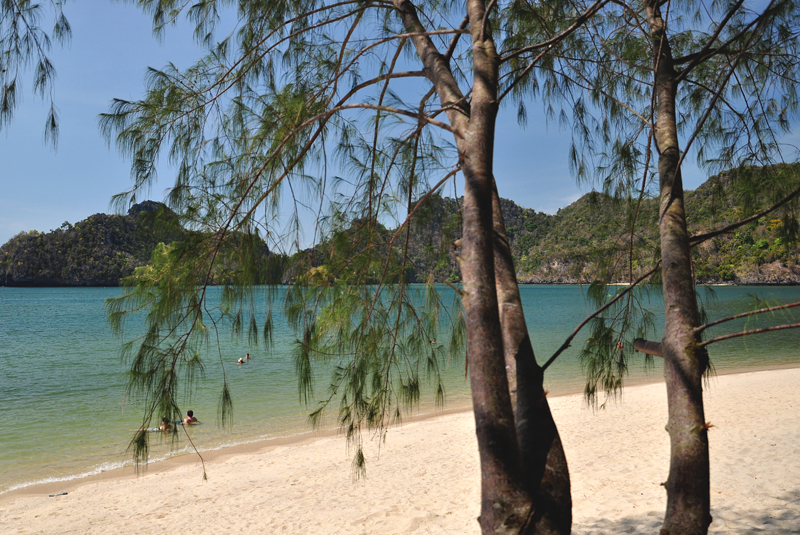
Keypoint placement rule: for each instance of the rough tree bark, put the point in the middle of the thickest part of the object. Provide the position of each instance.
(505, 502)
(509, 477)
(543, 461)
(684, 363)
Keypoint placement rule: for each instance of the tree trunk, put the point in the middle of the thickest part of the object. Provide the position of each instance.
(506, 502)
(688, 502)
(544, 464)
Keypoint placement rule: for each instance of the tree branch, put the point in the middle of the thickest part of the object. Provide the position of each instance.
(745, 333)
(436, 67)
(701, 328)
(596, 313)
(454, 41)
(649, 347)
(486, 18)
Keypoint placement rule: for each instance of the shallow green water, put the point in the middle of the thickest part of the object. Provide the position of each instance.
(63, 413)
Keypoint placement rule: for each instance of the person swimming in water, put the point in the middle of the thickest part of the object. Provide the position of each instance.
(190, 418)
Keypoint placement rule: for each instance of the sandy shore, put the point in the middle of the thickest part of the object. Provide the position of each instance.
(426, 478)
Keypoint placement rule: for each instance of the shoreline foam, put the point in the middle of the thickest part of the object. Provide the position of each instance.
(425, 477)
(185, 455)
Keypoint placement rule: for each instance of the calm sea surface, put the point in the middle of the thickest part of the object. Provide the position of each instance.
(63, 412)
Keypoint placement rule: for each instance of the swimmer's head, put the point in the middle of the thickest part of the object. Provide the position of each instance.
(189, 413)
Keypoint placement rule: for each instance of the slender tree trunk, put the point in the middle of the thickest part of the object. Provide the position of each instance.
(688, 503)
(544, 464)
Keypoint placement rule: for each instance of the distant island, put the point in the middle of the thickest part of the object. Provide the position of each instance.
(578, 244)
(98, 251)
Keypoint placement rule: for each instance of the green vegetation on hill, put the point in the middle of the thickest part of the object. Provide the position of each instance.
(763, 251)
(585, 241)
(97, 251)
(590, 239)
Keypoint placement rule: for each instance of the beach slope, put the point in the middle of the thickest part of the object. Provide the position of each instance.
(426, 478)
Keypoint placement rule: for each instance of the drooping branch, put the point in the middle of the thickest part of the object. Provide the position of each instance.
(707, 52)
(648, 155)
(323, 117)
(583, 83)
(586, 15)
(703, 53)
(546, 47)
(716, 97)
(406, 224)
(596, 313)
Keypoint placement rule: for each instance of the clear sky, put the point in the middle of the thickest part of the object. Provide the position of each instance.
(111, 47)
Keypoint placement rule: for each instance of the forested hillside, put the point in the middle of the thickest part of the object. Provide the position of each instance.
(591, 238)
(97, 251)
(584, 241)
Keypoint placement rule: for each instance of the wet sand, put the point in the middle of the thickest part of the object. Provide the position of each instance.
(425, 477)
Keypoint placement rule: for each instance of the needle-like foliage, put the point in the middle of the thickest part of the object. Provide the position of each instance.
(352, 115)
(25, 43)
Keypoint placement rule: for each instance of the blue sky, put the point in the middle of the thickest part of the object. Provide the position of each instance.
(111, 48)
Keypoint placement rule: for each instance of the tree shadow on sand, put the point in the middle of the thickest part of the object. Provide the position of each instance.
(780, 517)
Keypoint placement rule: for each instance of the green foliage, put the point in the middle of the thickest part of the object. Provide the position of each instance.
(24, 42)
(608, 349)
(247, 127)
(254, 125)
(98, 251)
(180, 322)
(354, 308)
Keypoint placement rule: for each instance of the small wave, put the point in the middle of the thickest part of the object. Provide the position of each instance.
(105, 467)
(255, 439)
(115, 465)
(99, 469)
(185, 449)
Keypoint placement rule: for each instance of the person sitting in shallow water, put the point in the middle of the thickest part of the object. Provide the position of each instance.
(190, 419)
(165, 424)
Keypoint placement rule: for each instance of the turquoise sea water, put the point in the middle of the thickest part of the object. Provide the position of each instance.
(63, 412)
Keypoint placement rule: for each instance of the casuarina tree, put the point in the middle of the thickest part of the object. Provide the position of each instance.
(394, 99)
(726, 75)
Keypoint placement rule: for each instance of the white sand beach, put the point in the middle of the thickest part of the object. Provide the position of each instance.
(426, 478)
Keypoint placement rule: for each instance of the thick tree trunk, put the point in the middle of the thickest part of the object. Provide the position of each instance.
(506, 502)
(544, 464)
(684, 363)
